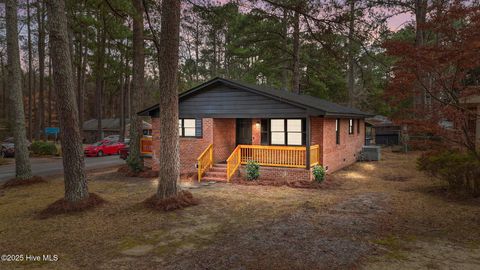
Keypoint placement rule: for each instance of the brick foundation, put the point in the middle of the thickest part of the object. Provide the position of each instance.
(279, 173)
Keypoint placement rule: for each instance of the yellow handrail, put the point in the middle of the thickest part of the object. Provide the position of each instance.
(314, 155)
(277, 156)
(146, 146)
(233, 162)
(205, 161)
(269, 155)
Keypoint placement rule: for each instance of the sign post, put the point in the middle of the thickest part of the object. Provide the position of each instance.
(52, 131)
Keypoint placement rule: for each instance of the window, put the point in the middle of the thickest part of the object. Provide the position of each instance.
(337, 130)
(358, 126)
(264, 131)
(186, 127)
(277, 128)
(287, 131)
(350, 126)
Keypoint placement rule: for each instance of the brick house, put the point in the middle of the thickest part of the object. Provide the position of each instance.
(225, 123)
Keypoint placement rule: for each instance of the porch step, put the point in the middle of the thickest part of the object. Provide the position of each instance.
(216, 179)
(217, 173)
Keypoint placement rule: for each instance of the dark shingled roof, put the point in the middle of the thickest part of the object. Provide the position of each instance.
(328, 108)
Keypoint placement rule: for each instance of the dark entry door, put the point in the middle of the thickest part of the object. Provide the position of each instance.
(244, 131)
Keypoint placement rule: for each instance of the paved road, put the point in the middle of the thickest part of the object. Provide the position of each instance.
(54, 166)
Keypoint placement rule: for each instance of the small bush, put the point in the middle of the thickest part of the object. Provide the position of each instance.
(43, 148)
(460, 170)
(136, 165)
(319, 173)
(253, 170)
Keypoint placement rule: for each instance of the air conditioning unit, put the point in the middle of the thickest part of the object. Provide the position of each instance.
(370, 153)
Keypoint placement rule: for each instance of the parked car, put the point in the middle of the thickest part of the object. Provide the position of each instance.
(7, 147)
(124, 152)
(103, 147)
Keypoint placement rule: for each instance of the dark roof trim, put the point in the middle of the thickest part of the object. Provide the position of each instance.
(313, 105)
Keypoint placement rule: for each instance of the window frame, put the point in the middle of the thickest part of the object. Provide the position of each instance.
(337, 130)
(358, 126)
(351, 126)
(182, 127)
(286, 132)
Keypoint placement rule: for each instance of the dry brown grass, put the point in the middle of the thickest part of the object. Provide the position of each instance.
(107, 236)
(16, 182)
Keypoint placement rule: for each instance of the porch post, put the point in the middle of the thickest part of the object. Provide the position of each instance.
(307, 143)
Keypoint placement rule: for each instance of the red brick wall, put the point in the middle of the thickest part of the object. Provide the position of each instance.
(190, 148)
(223, 138)
(279, 173)
(256, 131)
(333, 155)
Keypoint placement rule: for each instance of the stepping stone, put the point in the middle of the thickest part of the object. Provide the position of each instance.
(138, 250)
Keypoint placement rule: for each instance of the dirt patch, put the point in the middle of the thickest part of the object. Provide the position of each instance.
(145, 173)
(16, 182)
(329, 183)
(181, 200)
(63, 207)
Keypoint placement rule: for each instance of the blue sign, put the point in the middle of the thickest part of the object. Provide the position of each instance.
(52, 130)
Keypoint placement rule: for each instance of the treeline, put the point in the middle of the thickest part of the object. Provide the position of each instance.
(322, 48)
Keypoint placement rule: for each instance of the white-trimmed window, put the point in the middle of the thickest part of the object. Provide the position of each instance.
(186, 127)
(286, 132)
(350, 126)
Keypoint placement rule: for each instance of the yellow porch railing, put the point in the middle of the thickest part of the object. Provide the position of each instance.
(277, 156)
(205, 161)
(314, 155)
(146, 146)
(233, 162)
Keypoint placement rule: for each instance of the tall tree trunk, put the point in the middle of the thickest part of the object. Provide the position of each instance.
(296, 53)
(73, 160)
(123, 92)
(50, 96)
(420, 20)
(22, 160)
(40, 117)
(286, 66)
(31, 97)
(351, 61)
(4, 89)
(169, 157)
(99, 76)
(136, 92)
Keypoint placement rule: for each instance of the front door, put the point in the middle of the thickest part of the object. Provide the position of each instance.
(244, 131)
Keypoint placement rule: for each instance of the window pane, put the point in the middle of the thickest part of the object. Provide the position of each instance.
(278, 138)
(179, 131)
(336, 125)
(179, 123)
(294, 138)
(189, 123)
(189, 131)
(294, 125)
(277, 125)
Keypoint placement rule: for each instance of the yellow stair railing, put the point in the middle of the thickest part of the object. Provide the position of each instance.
(205, 161)
(233, 162)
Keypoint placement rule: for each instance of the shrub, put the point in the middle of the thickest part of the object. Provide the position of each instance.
(319, 173)
(460, 170)
(43, 148)
(253, 170)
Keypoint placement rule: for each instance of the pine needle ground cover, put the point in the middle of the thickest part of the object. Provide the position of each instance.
(366, 221)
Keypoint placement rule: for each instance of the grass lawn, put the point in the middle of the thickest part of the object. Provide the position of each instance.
(383, 215)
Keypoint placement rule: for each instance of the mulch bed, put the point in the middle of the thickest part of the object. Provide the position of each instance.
(146, 173)
(63, 207)
(182, 200)
(15, 182)
(326, 184)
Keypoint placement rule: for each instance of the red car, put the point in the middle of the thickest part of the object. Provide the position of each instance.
(102, 148)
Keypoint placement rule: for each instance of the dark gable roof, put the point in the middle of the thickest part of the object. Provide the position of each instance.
(305, 101)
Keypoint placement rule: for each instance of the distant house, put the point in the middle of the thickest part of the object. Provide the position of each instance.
(223, 124)
(110, 126)
(380, 130)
